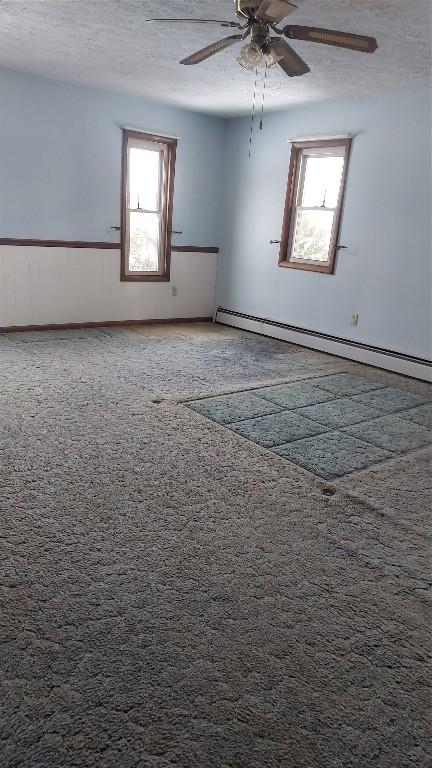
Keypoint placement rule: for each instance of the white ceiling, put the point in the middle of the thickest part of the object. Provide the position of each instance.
(108, 43)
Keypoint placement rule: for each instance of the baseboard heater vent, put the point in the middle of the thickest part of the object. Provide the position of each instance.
(408, 365)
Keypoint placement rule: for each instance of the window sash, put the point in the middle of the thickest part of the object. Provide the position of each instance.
(159, 210)
(163, 152)
(315, 208)
(296, 229)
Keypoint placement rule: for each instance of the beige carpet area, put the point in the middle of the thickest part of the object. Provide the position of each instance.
(173, 595)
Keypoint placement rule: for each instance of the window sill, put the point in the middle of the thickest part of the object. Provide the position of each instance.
(145, 278)
(327, 269)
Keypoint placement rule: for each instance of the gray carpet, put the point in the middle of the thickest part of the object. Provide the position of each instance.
(173, 595)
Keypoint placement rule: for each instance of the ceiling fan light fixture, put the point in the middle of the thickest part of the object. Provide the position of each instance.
(272, 56)
(250, 56)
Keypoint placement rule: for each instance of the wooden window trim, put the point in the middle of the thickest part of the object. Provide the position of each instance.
(287, 225)
(171, 145)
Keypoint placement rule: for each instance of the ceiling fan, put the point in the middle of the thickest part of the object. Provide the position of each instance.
(257, 18)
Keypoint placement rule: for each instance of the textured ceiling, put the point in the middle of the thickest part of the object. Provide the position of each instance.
(108, 43)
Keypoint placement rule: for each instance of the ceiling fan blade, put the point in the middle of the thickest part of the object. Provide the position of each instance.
(199, 21)
(332, 37)
(279, 52)
(274, 11)
(210, 50)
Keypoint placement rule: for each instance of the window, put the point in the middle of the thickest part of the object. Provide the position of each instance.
(313, 206)
(147, 192)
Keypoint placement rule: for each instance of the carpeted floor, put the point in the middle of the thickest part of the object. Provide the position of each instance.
(174, 595)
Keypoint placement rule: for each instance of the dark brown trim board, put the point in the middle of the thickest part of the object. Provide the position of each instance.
(104, 324)
(171, 145)
(287, 225)
(60, 243)
(193, 249)
(97, 245)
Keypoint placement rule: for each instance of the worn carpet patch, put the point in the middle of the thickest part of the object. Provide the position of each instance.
(277, 429)
(231, 408)
(392, 433)
(346, 384)
(421, 415)
(295, 395)
(391, 400)
(333, 454)
(340, 413)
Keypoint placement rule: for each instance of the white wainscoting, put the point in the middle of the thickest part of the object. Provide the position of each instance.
(41, 286)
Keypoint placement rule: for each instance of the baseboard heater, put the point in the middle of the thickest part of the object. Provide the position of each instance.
(407, 365)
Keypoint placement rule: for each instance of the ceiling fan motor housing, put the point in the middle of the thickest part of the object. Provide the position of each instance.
(246, 8)
(260, 34)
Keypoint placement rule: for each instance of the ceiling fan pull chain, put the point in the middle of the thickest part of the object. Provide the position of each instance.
(253, 112)
(263, 96)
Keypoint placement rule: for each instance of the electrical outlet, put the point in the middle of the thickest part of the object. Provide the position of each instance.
(174, 290)
(354, 319)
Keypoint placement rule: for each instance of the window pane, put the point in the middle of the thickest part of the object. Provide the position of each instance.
(312, 235)
(144, 179)
(144, 235)
(322, 181)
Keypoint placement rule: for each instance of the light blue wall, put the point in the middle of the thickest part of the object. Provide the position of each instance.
(60, 161)
(385, 274)
(60, 164)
